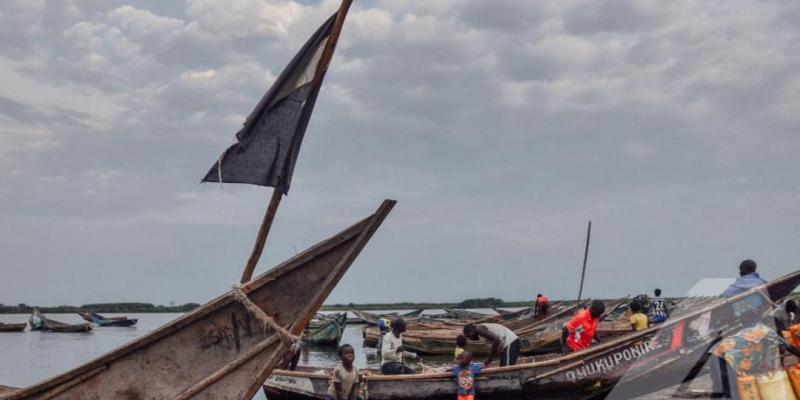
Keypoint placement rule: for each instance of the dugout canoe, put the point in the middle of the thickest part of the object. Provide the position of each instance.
(12, 327)
(223, 349)
(39, 322)
(656, 358)
(329, 333)
(102, 321)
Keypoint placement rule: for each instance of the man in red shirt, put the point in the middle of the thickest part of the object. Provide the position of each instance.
(542, 304)
(579, 331)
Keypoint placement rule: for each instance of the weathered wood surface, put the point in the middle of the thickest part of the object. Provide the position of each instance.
(219, 350)
(12, 327)
(627, 367)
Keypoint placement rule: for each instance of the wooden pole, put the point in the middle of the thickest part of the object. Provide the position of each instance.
(585, 258)
(277, 193)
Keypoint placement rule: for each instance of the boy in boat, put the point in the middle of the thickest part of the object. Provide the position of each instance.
(748, 279)
(578, 333)
(461, 344)
(638, 319)
(658, 308)
(393, 352)
(465, 373)
(504, 341)
(344, 378)
(541, 307)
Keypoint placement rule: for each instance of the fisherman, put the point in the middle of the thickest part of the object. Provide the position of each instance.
(658, 308)
(393, 352)
(785, 316)
(541, 307)
(638, 320)
(383, 327)
(578, 333)
(504, 341)
(748, 279)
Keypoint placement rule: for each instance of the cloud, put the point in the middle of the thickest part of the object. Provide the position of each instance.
(502, 127)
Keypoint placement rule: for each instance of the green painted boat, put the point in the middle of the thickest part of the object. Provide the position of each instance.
(329, 333)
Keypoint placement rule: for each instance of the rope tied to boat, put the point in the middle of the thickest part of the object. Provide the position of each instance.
(283, 334)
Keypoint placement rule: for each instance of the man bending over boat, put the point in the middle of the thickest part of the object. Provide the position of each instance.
(504, 342)
(578, 333)
(393, 352)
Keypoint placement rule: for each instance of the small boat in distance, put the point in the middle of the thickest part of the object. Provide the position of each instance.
(330, 332)
(102, 321)
(12, 327)
(39, 322)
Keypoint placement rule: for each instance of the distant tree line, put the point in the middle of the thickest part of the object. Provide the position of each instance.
(487, 302)
(23, 308)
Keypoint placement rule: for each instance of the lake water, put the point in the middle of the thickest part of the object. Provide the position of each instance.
(31, 356)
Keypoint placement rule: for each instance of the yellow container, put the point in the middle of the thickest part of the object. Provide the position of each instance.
(775, 386)
(747, 387)
(794, 377)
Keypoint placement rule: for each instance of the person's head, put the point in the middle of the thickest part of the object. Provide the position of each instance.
(347, 354)
(597, 309)
(471, 332)
(657, 292)
(538, 295)
(464, 359)
(461, 341)
(747, 267)
(636, 306)
(791, 306)
(398, 326)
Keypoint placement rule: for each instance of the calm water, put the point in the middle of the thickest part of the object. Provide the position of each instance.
(29, 357)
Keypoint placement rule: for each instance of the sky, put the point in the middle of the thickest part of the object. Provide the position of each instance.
(501, 127)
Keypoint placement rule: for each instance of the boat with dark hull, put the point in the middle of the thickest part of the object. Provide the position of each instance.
(39, 322)
(226, 348)
(102, 321)
(12, 327)
(329, 333)
(623, 368)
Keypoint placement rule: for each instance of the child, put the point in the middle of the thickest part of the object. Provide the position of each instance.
(638, 319)
(461, 344)
(344, 381)
(465, 373)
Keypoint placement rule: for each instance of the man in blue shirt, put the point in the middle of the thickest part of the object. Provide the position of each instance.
(749, 279)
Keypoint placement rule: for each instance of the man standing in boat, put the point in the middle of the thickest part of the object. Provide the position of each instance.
(748, 279)
(393, 353)
(541, 307)
(504, 342)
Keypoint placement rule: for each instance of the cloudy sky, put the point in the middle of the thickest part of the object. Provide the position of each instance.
(501, 127)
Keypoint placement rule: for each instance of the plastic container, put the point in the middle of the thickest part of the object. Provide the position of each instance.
(794, 378)
(747, 387)
(775, 386)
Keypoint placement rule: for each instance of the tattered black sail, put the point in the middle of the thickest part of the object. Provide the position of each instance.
(267, 146)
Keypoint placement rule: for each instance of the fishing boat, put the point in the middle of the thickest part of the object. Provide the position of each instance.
(624, 368)
(102, 321)
(12, 327)
(329, 333)
(39, 322)
(226, 348)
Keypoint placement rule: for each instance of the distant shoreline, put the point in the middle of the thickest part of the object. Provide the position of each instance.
(147, 308)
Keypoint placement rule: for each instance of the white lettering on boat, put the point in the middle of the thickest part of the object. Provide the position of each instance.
(611, 361)
(291, 383)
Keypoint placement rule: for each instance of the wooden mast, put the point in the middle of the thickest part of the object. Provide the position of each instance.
(585, 258)
(277, 192)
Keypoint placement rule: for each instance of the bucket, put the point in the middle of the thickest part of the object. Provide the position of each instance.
(747, 387)
(775, 386)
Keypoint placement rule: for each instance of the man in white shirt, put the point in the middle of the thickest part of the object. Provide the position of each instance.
(393, 352)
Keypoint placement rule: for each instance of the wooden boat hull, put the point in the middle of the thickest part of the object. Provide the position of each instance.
(220, 350)
(39, 322)
(328, 334)
(624, 368)
(12, 327)
(102, 321)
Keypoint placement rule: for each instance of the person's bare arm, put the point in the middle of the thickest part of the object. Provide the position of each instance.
(494, 340)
